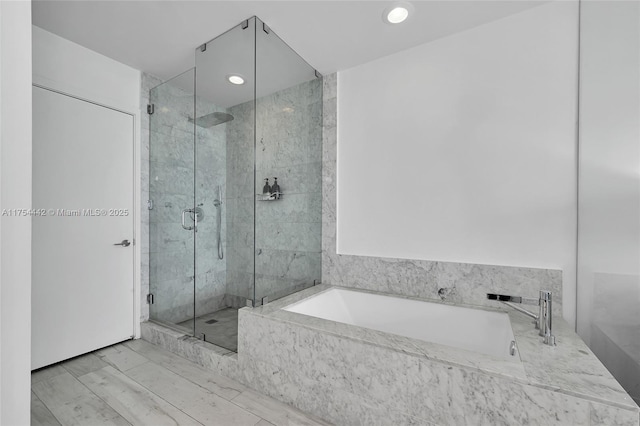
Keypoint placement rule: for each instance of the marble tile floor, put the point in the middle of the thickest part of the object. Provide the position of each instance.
(223, 332)
(137, 383)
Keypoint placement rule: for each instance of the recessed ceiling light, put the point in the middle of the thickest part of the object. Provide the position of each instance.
(396, 13)
(235, 79)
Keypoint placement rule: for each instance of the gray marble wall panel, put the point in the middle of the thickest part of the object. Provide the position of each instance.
(329, 169)
(287, 232)
(461, 282)
(240, 204)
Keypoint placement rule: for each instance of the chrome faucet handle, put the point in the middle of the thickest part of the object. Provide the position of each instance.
(546, 318)
(513, 299)
(542, 321)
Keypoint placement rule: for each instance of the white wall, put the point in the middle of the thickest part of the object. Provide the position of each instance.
(15, 193)
(67, 67)
(464, 149)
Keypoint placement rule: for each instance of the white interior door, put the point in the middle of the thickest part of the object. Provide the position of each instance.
(82, 284)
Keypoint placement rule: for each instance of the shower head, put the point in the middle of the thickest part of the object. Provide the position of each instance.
(212, 119)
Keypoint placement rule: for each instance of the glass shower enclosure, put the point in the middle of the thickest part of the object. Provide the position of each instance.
(235, 183)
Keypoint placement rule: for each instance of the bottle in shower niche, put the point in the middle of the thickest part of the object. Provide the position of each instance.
(266, 190)
(275, 189)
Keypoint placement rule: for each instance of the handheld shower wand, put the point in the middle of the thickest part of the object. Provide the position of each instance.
(218, 204)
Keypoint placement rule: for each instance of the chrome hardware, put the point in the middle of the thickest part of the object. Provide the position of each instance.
(245, 24)
(218, 205)
(124, 243)
(203, 48)
(150, 204)
(318, 75)
(249, 303)
(150, 298)
(151, 109)
(194, 217)
(197, 213)
(184, 225)
(512, 348)
(546, 321)
(265, 300)
(542, 321)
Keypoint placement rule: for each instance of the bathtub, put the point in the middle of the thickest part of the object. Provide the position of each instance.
(475, 330)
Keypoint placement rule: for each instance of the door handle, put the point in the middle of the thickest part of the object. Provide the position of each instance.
(184, 225)
(124, 243)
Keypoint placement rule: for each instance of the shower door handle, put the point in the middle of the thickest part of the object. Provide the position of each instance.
(184, 225)
(124, 243)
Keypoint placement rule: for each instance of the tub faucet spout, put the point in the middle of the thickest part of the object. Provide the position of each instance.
(542, 321)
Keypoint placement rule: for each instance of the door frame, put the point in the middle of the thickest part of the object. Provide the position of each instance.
(137, 206)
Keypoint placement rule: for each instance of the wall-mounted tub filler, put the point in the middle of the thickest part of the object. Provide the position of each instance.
(542, 321)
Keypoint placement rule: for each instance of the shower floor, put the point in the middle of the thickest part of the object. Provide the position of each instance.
(220, 328)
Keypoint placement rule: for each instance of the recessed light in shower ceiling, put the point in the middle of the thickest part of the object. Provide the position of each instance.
(235, 79)
(397, 12)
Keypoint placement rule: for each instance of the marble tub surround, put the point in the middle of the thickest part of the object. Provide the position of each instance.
(445, 354)
(303, 360)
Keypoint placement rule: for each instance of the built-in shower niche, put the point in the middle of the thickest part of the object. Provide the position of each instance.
(212, 144)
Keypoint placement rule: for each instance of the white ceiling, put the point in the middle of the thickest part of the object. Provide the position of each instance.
(159, 37)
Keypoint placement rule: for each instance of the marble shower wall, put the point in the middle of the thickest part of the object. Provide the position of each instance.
(460, 282)
(174, 163)
(211, 179)
(287, 231)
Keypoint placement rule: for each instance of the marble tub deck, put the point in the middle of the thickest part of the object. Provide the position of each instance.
(569, 370)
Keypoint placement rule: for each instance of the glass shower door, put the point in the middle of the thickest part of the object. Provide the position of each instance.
(225, 152)
(173, 216)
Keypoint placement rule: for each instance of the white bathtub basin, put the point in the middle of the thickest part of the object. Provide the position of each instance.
(471, 329)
